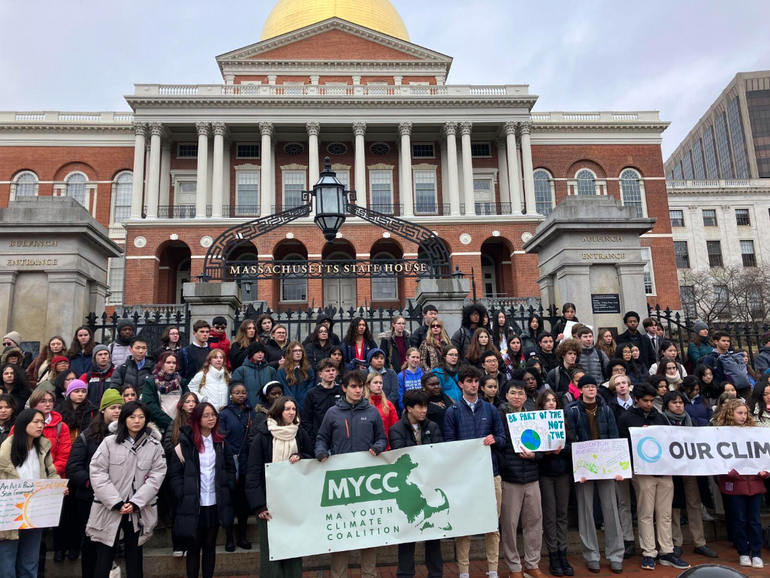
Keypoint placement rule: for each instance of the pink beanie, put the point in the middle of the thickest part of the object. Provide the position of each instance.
(75, 384)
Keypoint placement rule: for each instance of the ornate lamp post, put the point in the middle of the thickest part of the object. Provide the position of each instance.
(330, 202)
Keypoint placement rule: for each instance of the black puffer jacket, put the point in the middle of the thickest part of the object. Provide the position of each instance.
(129, 372)
(513, 468)
(274, 353)
(553, 465)
(238, 354)
(318, 401)
(401, 434)
(261, 453)
(78, 473)
(315, 353)
(185, 482)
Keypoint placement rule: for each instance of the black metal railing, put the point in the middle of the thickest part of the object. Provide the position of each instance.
(493, 208)
(275, 209)
(150, 323)
(234, 211)
(387, 209)
(430, 209)
(176, 211)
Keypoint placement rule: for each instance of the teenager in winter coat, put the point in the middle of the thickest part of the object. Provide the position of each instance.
(438, 401)
(278, 439)
(397, 340)
(119, 349)
(321, 398)
(81, 348)
(55, 430)
(162, 389)
(218, 338)
(378, 364)
(100, 376)
(78, 473)
(202, 475)
(696, 407)
(254, 373)
(373, 392)
(136, 368)
(38, 370)
(472, 316)
(247, 334)
(319, 346)
(296, 375)
(357, 344)
(126, 472)
(234, 423)
(212, 383)
(410, 376)
(447, 373)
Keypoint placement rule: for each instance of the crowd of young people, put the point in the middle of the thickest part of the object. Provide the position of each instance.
(183, 434)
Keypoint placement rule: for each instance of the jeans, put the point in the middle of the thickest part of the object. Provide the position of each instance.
(747, 527)
(19, 558)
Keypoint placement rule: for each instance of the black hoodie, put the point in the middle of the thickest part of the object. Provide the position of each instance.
(332, 336)
(317, 402)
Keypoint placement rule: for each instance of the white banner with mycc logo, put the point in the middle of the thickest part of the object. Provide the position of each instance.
(700, 451)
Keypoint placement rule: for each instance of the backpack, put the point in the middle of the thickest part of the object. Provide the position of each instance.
(735, 371)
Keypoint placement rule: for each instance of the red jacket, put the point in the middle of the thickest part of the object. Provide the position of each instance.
(387, 420)
(735, 484)
(57, 432)
(218, 340)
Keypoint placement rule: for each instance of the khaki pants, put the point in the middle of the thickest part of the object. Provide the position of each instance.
(491, 540)
(522, 502)
(654, 496)
(694, 518)
(339, 565)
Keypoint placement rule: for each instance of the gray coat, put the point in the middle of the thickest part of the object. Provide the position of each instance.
(122, 473)
(351, 428)
(595, 362)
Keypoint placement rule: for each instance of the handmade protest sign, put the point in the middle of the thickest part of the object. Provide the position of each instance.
(601, 459)
(537, 431)
(354, 501)
(702, 451)
(26, 504)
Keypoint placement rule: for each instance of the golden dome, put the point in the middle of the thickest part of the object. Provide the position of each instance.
(290, 15)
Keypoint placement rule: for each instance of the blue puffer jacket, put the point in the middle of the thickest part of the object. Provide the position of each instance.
(349, 354)
(299, 390)
(81, 364)
(449, 384)
(254, 376)
(699, 411)
(234, 423)
(577, 421)
(461, 423)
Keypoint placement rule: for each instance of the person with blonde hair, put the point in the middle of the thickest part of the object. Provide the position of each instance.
(373, 392)
(432, 349)
(296, 375)
(212, 383)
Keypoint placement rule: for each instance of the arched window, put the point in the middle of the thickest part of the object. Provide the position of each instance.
(123, 185)
(586, 183)
(294, 285)
(26, 185)
(76, 187)
(631, 191)
(385, 285)
(543, 192)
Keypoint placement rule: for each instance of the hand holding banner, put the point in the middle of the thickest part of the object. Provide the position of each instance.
(601, 459)
(537, 431)
(28, 504)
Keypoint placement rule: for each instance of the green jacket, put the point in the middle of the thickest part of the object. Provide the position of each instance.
(151, 398)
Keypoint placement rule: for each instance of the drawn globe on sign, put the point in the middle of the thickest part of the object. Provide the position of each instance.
(530, 439)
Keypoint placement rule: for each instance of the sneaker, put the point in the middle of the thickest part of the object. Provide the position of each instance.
(492, 574)
(756, 562)
(594, 566)
(744, 561)
(677, 551)
(706, 551)
(673, 561)
(616, 567)
(648, 563)
(704, 513)
(178, 554)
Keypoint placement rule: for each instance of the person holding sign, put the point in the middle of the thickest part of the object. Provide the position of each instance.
(654, 494)
(588, 419)
(521, 492)
(25, 455)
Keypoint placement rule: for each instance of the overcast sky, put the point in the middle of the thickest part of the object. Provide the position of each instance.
(674, 56)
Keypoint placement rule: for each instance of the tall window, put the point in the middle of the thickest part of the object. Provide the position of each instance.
(484, 196)
(678, 171)
(76, 187)
(631, 191)
(587, 183)
(697, 160)
(293, 187)
(714, 249)
(123, 186)
(747, 254)
(677, 217)
(543, 192)
(739, 142)
(247, 193)
(384, 286)
(343, 176)
(115, 276)
(381, 183)
(712, 166)
(742, 218)
(682, 255)
(649, 277)
(687, 166)
(425, 192)
(294, 285)
(723, 148)
(709, 217)
(26, 185)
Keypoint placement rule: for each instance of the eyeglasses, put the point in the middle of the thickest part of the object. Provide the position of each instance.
(7, 344)
(45, 402)
(435, 326)
(220, 326)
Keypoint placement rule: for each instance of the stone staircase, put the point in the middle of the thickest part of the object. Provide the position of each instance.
(159, 563)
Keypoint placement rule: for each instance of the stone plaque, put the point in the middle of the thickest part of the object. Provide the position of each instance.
(605, 303)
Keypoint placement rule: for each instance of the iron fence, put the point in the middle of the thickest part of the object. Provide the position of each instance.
(150, 322)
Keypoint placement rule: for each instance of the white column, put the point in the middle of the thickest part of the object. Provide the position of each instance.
(441, 149)
(265, 185)
(203, 166)
(513, 180)
(450, 129)
(407, 190)
(146, 172)
(502, 168)
(137, 185)
(314, 170)
(165, 172)
(153, 184)
(470, 203)
(359, 129)
(226, 186)
(218, 174)
(527, 169)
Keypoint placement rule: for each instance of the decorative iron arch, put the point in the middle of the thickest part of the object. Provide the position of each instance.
(215, 262)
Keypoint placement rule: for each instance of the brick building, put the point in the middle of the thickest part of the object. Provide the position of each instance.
(340, 79)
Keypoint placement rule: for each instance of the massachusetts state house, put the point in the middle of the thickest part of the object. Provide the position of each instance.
(338, 79)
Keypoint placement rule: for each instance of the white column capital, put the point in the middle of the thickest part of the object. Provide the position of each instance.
(166, 144)
(450, 128)
(156, 128)
(266, 129)
(359, 128)
(466, 128)
(313, 128)
(203, 128)
(140, 129)
(405, 129)
(525, 127)
(509, 127)
(502, 144)
(219, 128)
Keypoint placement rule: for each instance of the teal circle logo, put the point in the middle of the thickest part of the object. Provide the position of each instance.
(649, 450)
(530, 439)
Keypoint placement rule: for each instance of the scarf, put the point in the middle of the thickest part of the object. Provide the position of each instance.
(683, 419)
(673, 378)
(284, 440)
(166, 382)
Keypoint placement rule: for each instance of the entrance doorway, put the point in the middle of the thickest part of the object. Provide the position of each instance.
(182, 277)
(490, 278)
(340, 292)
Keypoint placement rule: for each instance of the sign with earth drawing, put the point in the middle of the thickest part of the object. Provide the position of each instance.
(537, 431)
(354, 501)
(601, 459)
